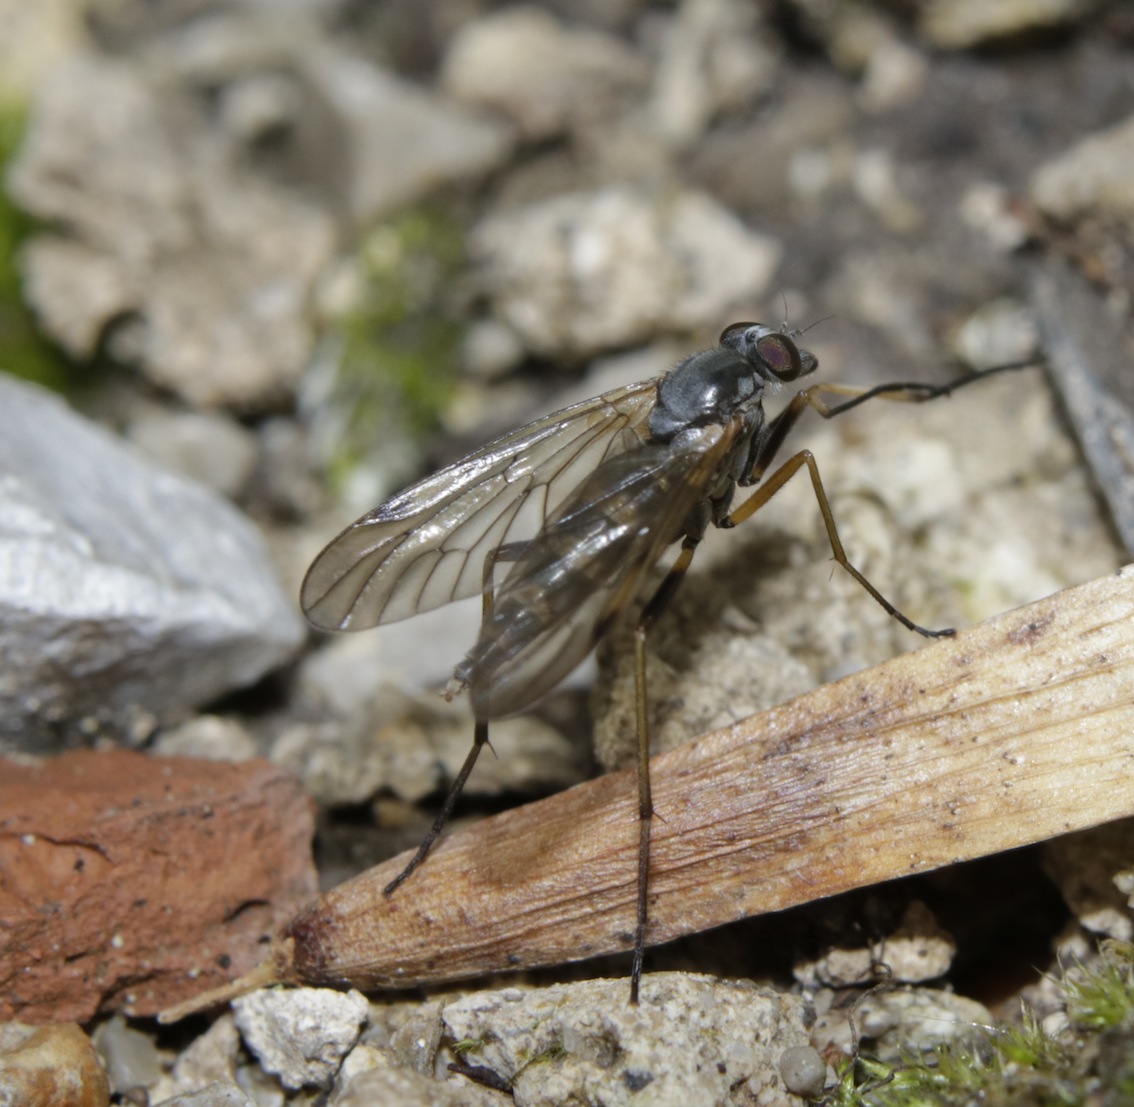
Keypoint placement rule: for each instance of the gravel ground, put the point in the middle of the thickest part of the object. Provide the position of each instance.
(296, 257)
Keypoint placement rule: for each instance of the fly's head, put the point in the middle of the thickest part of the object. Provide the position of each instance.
(772, 353)
(719, 385)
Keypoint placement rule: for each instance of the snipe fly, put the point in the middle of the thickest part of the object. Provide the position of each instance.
(558, 525)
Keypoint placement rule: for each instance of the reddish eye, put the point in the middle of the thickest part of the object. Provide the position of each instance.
(780, 355)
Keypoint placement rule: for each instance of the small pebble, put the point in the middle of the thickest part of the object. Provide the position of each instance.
(213, 1095)
(803, 1070)
(50, 1066)
(301, 1034)
(130, 1057)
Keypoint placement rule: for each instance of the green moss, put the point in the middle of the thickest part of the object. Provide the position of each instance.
(23, 351)
(1005, 1065)
(398, 369)
(1100, 996)
(855, 1079)
(469, 1045)
(1020, 1065)
(552, 1053)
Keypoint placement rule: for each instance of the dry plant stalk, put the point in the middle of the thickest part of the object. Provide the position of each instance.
(1012, 732)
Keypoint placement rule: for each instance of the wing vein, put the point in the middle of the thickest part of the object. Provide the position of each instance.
(417, 550)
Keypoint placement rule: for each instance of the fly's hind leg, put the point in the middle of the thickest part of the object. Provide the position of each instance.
(508, 552)
(480, 739)
(657, 604)
(775, 482)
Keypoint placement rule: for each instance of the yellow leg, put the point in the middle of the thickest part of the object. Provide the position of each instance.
(775, 482)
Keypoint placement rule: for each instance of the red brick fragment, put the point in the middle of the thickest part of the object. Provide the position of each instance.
(130, 882)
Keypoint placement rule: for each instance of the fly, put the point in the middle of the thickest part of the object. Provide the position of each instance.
(558, 525)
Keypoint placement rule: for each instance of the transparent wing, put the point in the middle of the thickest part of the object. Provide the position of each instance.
(427, 545)
(591, 560)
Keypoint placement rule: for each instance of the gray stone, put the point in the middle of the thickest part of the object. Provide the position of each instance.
(1095, 176)
(211, 264)
(35, 37)
(964, 24)
(803, 1070)
(795, 153)
(301, 1034)
(919, 949)
(338, 764)
(369, 1078)
(896, 1022)
(424, 747)
(546, 77)
(408, 1032)
(129, 1056)
(57, 271)
(412, 746)
(255, 107)
(989, 209)
(713, 59)
(586, 272)
(125, 590)
(405, 141)
(208, 447)
(875, 178)
(229, 44)
(1000, 332)
(703, 674)
(692, 1039)
(850, 33)
(209, 1060)
(212, 1095)
(490, 349)
(1093, 873)
(262, 1087)
(877, 289)
(284, 480)
(903, 1020)
(894, 76)
(349, 672)
(210, 737)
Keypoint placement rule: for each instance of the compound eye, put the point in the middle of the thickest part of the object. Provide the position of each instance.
(780, 355)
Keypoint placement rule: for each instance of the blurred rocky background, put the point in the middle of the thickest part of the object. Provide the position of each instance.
(261, 265)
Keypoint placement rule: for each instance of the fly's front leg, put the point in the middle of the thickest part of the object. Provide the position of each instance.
(768, 444)
(910, 392)
(509, 552)
(775, 482)
(658, 603)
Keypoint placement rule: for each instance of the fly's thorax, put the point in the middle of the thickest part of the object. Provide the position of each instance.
(707, 388)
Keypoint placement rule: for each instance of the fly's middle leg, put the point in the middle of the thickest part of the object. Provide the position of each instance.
(657, 604)
(775, 482)
(509, 552)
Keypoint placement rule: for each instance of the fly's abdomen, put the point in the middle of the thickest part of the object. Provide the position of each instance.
(542, 620)
(583, 565)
